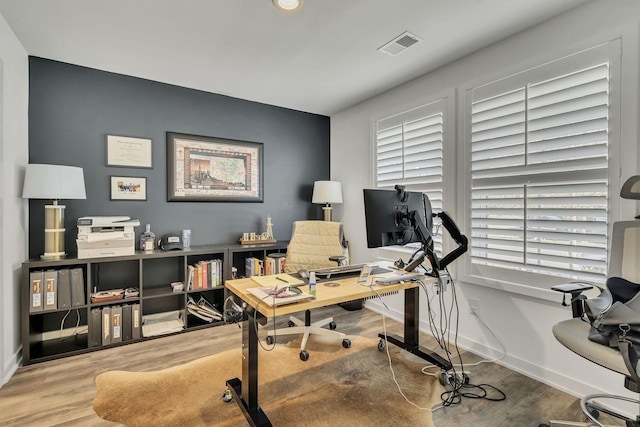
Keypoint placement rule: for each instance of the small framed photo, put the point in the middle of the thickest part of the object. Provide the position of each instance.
(129, 152)
(128, 188)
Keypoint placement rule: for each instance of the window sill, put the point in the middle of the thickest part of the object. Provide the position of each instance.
(545, 294)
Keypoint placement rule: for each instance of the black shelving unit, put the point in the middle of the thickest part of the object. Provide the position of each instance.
(152, 273)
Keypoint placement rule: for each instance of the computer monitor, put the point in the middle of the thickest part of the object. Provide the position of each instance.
(397, 217)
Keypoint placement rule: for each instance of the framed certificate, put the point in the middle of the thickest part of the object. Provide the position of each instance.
(129, 152)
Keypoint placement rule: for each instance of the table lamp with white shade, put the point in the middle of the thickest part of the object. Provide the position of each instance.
(327, 192)
(53, 182)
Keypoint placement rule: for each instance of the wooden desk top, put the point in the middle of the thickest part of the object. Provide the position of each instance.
(348, 290)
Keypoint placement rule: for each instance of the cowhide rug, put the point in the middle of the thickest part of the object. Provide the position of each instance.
(335, 387)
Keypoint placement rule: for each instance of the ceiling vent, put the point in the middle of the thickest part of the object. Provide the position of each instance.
(400, 44)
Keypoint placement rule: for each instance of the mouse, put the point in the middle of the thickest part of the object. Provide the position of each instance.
(304, 274)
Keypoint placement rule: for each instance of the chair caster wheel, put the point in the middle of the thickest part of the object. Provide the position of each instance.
(346, 343)
(332, 325)
(227, 396)
(270, 340)
(291, 324)
(382, 344)
(304, 355)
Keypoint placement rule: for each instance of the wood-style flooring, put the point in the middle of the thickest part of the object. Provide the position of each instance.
(60, 392)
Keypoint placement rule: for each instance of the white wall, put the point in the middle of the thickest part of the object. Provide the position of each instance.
(14, 91)
(522, 322)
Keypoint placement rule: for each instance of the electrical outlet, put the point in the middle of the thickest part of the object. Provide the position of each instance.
(474, 305)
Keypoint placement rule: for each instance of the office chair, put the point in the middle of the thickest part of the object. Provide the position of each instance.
(573, 333)
(313, 245)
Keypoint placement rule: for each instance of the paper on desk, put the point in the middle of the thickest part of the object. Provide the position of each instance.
(265, 295)
(278, 280)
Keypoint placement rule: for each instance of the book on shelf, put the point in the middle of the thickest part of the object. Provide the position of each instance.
(269, 266)
(205, 274)
(64, 288)
(36, 291)
(116, 323)
(77, 287)
(50, 289)
(127, 327)
(95, 327)
(136, 321)
(215, 267)
(254, 267)
(274, 263)
(199, 275)
(190, 275)
(106, 325)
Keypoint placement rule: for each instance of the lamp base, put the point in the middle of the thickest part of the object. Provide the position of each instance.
(54, 232)
(53, 257)
(327, 212)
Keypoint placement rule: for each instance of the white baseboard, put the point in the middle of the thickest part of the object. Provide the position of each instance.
(11, 367)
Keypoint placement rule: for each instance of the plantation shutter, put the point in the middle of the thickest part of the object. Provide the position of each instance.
(539, 169)
(409, 152)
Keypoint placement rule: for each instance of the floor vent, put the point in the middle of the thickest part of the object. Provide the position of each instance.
(399, 44)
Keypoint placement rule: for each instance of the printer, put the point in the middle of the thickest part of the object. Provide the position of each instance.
(104, 236)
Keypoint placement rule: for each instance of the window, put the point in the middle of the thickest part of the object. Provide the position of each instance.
(539, 160)
(409, 152)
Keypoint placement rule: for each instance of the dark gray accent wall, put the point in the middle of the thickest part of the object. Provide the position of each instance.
(72, 109)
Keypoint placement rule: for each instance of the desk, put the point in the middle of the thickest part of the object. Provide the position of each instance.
(245, 391)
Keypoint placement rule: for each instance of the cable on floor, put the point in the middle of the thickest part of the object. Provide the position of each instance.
(457, 383)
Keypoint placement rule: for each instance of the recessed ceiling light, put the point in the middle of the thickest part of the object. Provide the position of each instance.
(287, 4)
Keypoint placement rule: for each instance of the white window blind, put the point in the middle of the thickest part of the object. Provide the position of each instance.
(409, 152)
(539, 169)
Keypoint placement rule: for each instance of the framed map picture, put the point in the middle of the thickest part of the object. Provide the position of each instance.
(209, 169)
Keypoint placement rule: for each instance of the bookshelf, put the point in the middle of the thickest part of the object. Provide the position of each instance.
(59, 330)
(239, 253)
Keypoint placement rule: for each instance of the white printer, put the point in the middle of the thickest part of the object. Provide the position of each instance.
(103, 236)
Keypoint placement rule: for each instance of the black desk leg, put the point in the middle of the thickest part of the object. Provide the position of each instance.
(245, 392)
(411, 341)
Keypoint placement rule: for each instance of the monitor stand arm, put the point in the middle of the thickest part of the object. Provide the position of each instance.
(457, 236)
(427, 243)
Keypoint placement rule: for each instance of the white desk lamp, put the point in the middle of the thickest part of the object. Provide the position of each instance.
(327, 192)
(53, 182)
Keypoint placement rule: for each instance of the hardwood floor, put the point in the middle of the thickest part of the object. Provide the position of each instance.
(60, 392)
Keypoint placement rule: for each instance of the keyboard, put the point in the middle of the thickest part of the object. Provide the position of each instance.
(351, 269)
(397, 278)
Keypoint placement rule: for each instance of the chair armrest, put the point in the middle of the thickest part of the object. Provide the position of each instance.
(338, 258)
(575, 289)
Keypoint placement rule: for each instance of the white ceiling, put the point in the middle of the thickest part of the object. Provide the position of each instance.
(320, 59)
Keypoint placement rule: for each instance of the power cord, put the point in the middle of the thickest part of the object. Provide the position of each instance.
(393, 373)
(255, 324)
(458, 383)
(233, 314)
(75, 330)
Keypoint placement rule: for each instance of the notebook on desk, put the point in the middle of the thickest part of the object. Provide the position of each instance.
(278, 280)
